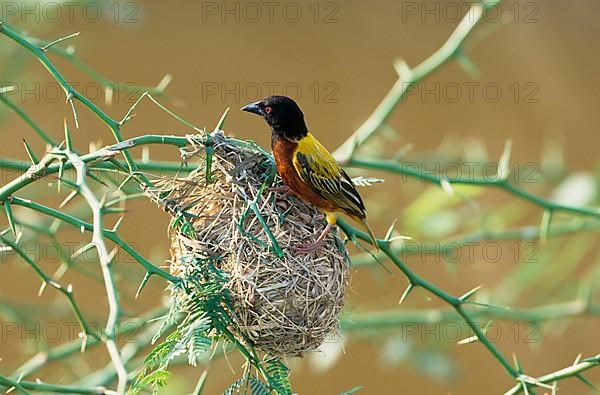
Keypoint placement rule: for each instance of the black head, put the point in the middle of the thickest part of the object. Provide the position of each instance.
(283, 116)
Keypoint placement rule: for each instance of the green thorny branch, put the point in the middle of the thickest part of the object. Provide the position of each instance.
(60, 159)
(72, 94)
(105, 260)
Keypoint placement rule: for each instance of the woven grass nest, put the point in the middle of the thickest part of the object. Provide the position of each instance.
(285, 305)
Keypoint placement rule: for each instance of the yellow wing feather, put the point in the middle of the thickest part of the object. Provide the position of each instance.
(319, 169)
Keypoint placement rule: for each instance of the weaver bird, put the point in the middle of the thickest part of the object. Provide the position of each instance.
(307, 169)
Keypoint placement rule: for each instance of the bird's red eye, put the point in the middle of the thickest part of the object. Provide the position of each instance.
(268, 109)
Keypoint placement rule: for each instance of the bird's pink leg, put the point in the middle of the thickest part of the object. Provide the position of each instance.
(307, 248)
(284, 190)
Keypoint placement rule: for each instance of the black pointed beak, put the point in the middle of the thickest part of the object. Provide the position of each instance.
(253, 108)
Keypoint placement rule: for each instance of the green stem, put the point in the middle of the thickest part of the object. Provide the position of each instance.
(574, 370)
(399, 168)
(70, 92)
(114, 306)
(7, 382)
(45, 168)
(36, 128)
(68, 293)
(93, 74)
(397, 318)
(417, 281)
(109, 234)
(411, 77)
(60, 353)
(449, 245)
(152, 165)
(486, 342)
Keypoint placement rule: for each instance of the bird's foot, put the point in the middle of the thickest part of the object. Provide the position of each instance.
(307, 248)
(283, 190)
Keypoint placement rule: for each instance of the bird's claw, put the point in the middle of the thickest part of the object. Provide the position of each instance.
(307, 248)
(283, 190)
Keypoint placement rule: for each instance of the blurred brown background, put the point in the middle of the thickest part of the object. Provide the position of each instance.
(538, 85)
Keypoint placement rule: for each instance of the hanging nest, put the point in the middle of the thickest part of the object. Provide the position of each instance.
(283, 303)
